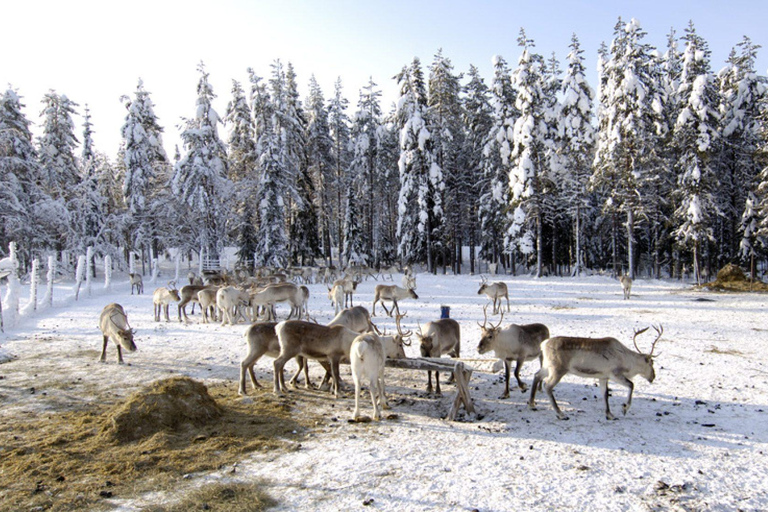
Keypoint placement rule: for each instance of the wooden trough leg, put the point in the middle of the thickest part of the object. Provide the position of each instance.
(461, 377)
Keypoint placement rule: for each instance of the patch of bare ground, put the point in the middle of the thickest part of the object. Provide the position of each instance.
(78, 459)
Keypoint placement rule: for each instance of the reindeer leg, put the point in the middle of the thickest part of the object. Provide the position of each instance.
(120, 354)
(604, 387)
(437, 384)
(506, 380)
(549, 386)
(537, 380)
(103, 357)
(621, 379)
(522, 385)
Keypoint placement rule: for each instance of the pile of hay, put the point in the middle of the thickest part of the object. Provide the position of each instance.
(731, 273)
(732, 278)
(167, 405)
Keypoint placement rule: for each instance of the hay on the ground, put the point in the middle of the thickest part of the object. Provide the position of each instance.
(166, 405)
(731, 273)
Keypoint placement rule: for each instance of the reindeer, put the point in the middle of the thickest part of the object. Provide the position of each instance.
(280, 292)
(626, 285)
(597, 358)
(494, 291)
(207, 300)
(392, 293)
(299, 338)
(516, 342)
(439, 337)
(232, 301)
(136, 282)
(349, 285)
(113, 323)
(162, 299)
(336, 296)
(367, 361)
(188, 293)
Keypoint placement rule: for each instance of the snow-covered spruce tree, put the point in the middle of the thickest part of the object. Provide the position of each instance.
(338, 121)
(272, 246)
(627, 121)
(305, 243)
(445, 113)
(420, 210)
(528, 177)
(477, 124)
(243, 159)
(200, 178)
(695, 138)
(364, 167)
(320, 162)
(386, 186)
(493, 210)
(577, 144)
(27, 214)
(88, 208)
(741, 93)
(354, 247)
(145, 164)
(56, 146)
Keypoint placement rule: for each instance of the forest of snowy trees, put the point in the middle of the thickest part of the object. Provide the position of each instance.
(659, 168)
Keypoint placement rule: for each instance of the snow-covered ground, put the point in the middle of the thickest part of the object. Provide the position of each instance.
(695, 439)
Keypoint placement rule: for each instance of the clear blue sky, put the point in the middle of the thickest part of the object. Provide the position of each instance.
(95, 51)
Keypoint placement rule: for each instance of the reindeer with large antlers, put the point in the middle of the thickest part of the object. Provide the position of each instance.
(519, 343)
(597, 358)
(495, 292)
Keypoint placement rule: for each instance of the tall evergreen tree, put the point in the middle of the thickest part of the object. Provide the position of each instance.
(421, 178)
(477, 123)
(200, 177)
(445, 112)
(627, 121)
(320, 162)
(56, 147)
(495, 194)
(145, 164)
(338, 121)
(578, 140)
(695, 138)
(527, 176)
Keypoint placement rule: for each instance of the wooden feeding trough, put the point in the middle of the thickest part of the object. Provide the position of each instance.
(461, 375)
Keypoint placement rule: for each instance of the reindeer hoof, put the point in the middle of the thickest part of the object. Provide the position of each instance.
(523, 388)
(562, 417)
(505, 395)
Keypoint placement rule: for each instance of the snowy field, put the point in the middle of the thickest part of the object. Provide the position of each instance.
(695, 439)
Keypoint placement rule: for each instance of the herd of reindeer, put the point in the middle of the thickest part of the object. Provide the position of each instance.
(351, 336)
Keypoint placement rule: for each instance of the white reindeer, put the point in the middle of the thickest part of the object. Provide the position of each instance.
(392, 293)
(494, 291)
(626, 285)
(367, 361)
(113, 323)
(162, 298)
(602, 358)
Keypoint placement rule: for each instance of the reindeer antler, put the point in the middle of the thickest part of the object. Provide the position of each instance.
(634, 338)
(659, 330)
(406, 334)
(485, 319)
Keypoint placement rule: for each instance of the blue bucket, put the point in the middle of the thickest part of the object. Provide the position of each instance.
(445, 312)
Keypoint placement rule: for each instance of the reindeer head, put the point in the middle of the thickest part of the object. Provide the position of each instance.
(483, 285)
(425, 343)
(402, 338)
(649, 373)
(488, 332)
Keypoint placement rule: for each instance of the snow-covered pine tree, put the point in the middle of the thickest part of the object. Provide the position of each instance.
(578, 142)
(320, 161)
(200, 178)
(26, 212)
(304, 240)
(445, 113)
(56, 146)
(528, 178)
(495, 194)
(695, 138)
(741, 93)
(354, 248)
(627, 143)
(421, 178)
(145, 164)
(338, 121)
(386, 186)
(477, 124)
(363, 170)
(272, 248)
(243, 159)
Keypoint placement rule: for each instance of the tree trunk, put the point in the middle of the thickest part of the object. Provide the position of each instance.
(631, 242)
